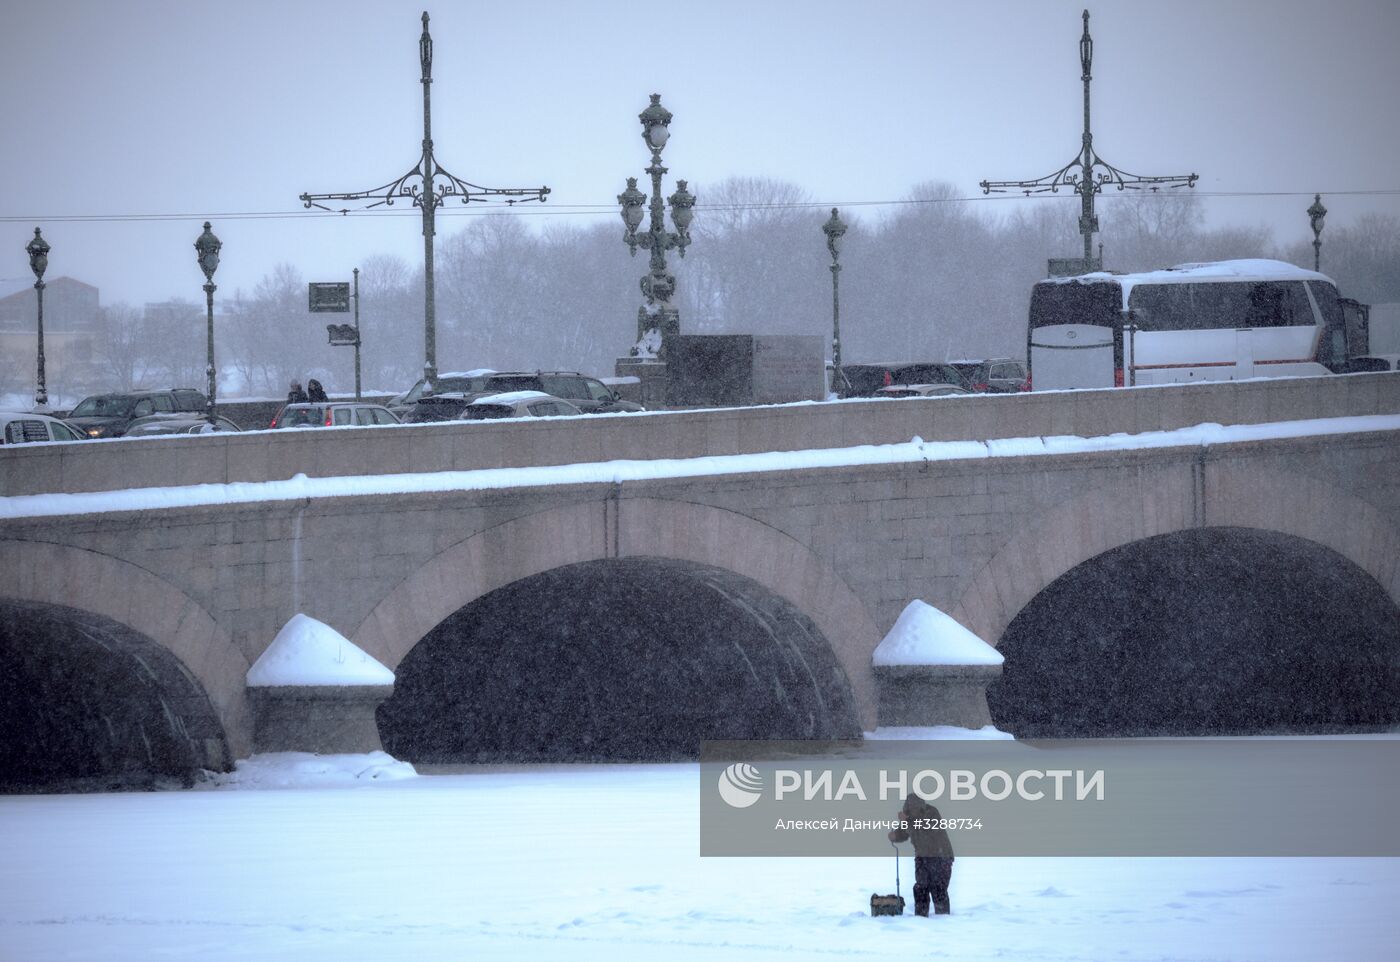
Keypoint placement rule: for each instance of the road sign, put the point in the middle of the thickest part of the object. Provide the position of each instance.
(343, 335)
(328, 297)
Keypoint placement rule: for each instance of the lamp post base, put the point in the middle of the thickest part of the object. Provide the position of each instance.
(651, 376)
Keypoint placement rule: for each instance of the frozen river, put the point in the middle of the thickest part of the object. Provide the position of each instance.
(600, 862)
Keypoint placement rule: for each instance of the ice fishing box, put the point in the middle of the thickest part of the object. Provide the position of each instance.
(886, 905)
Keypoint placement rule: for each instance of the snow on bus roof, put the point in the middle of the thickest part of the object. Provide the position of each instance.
(1260, 268)
(1248, 269)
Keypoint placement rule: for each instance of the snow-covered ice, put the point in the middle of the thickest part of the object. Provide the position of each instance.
(308, 770)
(600, 863)
(311, 652)
(924, 635)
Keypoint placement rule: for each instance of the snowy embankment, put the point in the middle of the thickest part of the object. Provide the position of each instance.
(617, 472)
(307, 770)
(600, 863)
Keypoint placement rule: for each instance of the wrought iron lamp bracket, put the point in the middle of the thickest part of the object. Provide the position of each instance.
(452, 186)
(1101, 174)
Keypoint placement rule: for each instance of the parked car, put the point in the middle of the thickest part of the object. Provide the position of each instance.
(864, 380)
(1373, 362)
(182, 423)
(109, 415)
(332, 414)
(517, 404)
(588, 394)
(454, 391)
(993, 375)
(19, 427)
(441, 407)
(920, 390)
(452, 382)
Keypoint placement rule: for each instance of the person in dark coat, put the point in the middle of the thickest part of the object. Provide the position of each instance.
(314, 392)
(933, 854)
(296, 395)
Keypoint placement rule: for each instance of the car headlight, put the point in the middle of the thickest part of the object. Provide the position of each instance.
(94, 432)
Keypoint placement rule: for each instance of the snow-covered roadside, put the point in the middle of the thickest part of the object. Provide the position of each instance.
(600, 863)
(616, 472)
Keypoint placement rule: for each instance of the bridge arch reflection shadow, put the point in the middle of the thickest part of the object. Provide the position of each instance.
(1222, 630)
(87, 703)
(617, 659)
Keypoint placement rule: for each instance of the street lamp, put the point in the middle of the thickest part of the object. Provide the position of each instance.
(1316, 214)
(835, 229)
(654, 327)
(428, 186)
(207, 248)
(1087, 175)
(38, 250)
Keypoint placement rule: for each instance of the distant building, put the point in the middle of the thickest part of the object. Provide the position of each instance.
(72, 325)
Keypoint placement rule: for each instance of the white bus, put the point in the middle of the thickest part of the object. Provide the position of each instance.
(1197, 322)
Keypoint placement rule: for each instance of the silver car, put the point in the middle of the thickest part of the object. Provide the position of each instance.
(183, 423)
(920, 390)
(332, 414)
(517, 404)
(18, 427)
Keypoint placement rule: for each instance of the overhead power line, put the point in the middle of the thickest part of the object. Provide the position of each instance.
(610, 210)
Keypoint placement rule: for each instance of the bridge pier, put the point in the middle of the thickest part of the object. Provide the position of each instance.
(323, 719)
(922, 696)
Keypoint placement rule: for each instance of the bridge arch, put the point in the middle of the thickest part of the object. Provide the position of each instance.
(630, 528)
(1103, 645)
(62, 577)
(1168, 501)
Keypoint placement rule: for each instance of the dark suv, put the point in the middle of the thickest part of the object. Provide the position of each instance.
(993, 375)
(405, 405)
(455, 391)
(588, 394)
(109, 415)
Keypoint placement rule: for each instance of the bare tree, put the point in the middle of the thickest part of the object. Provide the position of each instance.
(1363, 257)
(391, 322)
(1145, 230)
(757, 247)
(175, 333)
(126, 352)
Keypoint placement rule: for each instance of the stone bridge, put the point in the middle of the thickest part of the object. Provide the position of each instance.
(621, 586)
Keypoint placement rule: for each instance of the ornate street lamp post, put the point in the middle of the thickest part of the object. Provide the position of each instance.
(428, 186)
(1087, 175)
(835, 229)
(207, 248)
(1316, 214)
(38, 250)
(655, 326)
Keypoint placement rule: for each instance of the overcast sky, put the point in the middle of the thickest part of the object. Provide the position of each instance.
(148, 107)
